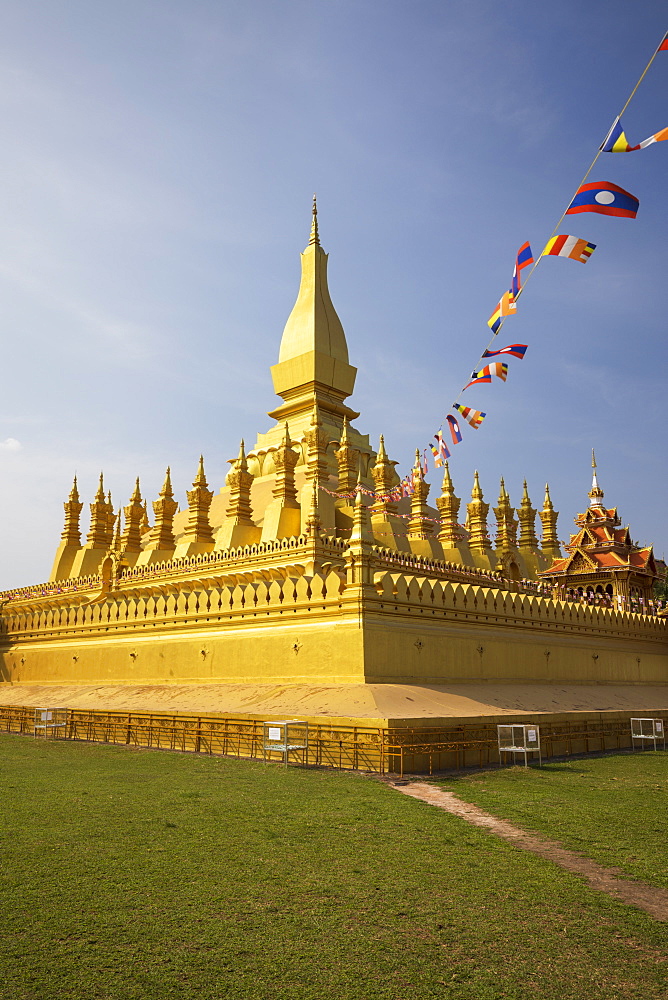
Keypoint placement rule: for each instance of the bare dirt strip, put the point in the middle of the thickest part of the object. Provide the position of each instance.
(645, 897)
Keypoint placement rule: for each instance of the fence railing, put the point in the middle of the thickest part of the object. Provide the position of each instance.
(367, 748)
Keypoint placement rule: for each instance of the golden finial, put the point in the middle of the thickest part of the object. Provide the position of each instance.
(476, 492)
(315, 238)
(241, 462)
(74, 492)
(117, 533)
(200, 478)
(382, 454)
(166, 490)
(287, 441)
(99, 496)
(315, 415)
(136, 494)
(596, 493)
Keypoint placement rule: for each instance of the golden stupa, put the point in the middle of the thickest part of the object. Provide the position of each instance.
(305, 586)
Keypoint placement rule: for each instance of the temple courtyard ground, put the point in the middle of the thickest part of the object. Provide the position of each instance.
(140, 874)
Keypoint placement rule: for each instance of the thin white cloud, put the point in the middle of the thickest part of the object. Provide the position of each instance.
(10, 444)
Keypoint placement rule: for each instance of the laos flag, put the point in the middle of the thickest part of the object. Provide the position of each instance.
(604, 198)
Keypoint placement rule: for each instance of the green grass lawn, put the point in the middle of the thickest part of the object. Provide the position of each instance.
(144, 874)
(613, 809)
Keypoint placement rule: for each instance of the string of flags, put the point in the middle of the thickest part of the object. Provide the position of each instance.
(600, 197)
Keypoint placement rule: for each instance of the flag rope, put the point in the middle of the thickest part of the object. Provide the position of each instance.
(562, 216)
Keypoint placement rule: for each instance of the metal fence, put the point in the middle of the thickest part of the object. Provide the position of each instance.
(364, 748)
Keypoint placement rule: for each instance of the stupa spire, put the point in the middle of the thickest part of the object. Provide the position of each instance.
(314, 239)
(527, 517)
(596, 493)
(313, 357)
(98, 537)
(420, 524)
(477, 511)
(73, 507)
(548, 516)
(238, 528)
(165, 507)
(448, 507)
(384, 480)
(240, 480)
(134, 513)
(506, 525)
(348, 461)
(198, 531)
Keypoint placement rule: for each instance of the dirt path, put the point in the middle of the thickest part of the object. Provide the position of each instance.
(645, 897)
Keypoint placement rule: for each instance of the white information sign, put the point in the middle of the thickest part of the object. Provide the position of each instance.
(659, 726)
(531, 735)
(274, 733)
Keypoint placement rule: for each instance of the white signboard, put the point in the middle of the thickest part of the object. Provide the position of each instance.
(274, 733)
(531, 735)
(659, 726)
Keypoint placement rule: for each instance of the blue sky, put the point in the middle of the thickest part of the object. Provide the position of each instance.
(158, 162)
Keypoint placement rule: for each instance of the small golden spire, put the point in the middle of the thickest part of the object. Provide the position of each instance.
(200, 478)
(74, 492)
(382, 454)
(476, 492)
(136, 494)
(145, 524)
(99, 496)
(596, 493)
(314, 238)
(166, 490)
(117, 533)
(241, 462)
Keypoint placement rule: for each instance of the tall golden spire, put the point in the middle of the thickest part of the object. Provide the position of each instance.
(384, 480)
(285, 459)
(134, 513)
(348, 461)
(117, 540)
(506, 525)
(238, 528)
(111, 520)
(240, 480)
(98, 533)
(145, 523)
(527, 517)
(448, 507)
(282, 517)
(317, 441)
(198, 531)
(477, 511)
(315, 237)
(71, 534)
(165, 507)
(420, 524)
(548, 516)
(596, 493)
(313, 357)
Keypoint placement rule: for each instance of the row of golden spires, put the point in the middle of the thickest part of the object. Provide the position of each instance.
(106, 531)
